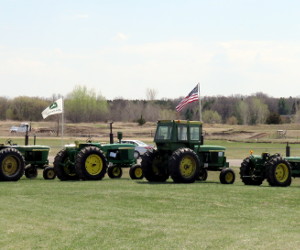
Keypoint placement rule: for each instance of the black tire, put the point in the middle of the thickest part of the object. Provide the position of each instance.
(184, 166)
(136, 172)
(247, 173)
(136, 155)
(91, 163)
(63, 167)
(49, 173)
(114, 172)
(227, 176)
(203, 175)
(278, 172)
(31, 172)
(152, 167)
(12, 164)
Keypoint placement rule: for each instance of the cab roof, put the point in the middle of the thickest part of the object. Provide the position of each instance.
(180, 122)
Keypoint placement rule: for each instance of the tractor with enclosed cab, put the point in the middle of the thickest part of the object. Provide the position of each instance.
(182, 155)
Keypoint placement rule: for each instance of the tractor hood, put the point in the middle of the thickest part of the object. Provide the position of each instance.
(211, 148)
(292, 159)
(31, 147)
(106, 147)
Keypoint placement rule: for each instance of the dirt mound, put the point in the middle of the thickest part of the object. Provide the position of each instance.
(258, 136)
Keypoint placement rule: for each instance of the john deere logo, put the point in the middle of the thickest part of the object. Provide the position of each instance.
(53, 105)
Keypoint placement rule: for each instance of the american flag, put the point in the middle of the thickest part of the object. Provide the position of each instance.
(191, 97)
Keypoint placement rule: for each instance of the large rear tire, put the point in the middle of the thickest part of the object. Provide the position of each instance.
(278, 172)
(12, 164)
(184, 166)
(152, 167)
(63, 167)
(247, 173)
(91, 163)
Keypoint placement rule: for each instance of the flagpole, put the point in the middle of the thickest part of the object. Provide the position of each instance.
(62, 121)
(200, 108)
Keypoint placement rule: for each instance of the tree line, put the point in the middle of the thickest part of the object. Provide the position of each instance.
(85, 105)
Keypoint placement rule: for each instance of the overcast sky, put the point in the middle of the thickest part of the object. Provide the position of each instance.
(121, 48)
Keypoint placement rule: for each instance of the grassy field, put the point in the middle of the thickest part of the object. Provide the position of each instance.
(127, 214)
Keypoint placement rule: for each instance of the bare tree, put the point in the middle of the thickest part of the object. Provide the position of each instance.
(258, 111)
(243, 112)
(151, 94)
(4, 103)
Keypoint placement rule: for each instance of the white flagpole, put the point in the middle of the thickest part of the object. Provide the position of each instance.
(200, 108)
(62, 121)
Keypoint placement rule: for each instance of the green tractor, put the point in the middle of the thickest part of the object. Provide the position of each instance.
(276, 169)
(17, 159)
(91, 160)
(181, 154)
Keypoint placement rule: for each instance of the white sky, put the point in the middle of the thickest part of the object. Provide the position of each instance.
(121, 48)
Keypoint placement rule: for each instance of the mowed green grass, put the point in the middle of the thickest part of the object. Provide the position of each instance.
(127, 214)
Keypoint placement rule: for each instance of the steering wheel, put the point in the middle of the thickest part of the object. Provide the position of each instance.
(9, 141)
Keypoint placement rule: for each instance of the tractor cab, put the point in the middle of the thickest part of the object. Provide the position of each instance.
(173, 134)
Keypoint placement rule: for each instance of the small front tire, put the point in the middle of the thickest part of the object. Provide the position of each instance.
(49, 173)
(114, 172)
(227, 176)
(136, 172)
(203, 175)
(31, 172)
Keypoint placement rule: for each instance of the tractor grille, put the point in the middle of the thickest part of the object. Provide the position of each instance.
(121, 154)
(33, 155)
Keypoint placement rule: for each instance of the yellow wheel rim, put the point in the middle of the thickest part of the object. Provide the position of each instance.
(67, 167)
(116, 171)
(50, 174)
(229, 177)
(93, 164)
(281, 172)
(10, 165)
(138, 172)
(187, 166)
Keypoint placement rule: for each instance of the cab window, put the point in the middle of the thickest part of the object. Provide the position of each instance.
(163, 132)
(182, 132)
(195, 133)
